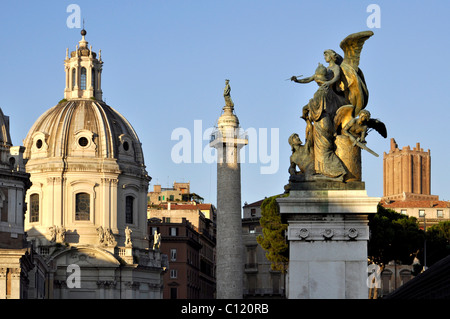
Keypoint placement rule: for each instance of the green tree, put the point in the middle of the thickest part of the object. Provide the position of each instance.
(438, 242)
(394, 237)
(273, 239)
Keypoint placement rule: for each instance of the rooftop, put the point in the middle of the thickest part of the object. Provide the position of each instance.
(416, 204)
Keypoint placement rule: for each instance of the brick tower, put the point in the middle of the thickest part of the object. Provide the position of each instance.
(407, 173)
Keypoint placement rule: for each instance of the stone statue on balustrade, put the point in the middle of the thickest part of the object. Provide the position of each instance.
(128, 232)
(106, 237)
(156, 240)
(336, 120)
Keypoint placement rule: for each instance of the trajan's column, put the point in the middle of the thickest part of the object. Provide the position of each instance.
(229, 271)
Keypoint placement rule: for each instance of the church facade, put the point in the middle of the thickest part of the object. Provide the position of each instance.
(16, 259)
(86, 208)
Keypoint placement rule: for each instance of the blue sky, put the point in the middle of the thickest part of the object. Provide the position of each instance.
(165, 63)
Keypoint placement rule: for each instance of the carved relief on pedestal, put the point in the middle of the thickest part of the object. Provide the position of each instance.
(319, 232)
(352, 233)
(327, 233)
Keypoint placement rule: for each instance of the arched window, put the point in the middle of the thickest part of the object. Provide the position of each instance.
(74, 77)
(129, 202)
(82, 206)
(34, 208)
(83, 79)
(93, 78)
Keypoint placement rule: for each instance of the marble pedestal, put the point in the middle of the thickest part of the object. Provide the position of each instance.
(328, 234)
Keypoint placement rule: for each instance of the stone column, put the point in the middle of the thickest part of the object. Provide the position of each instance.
(229, 268)
(3, 283)
(328, 234)
(15, 283)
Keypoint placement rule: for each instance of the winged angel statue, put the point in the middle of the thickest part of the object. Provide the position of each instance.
(337, 122)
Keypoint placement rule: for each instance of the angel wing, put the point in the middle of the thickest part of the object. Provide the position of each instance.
(352, 46)
(378, 126)
(353, 83)
(343, 115)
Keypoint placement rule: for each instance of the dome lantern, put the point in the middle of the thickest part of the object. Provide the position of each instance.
(83, 72)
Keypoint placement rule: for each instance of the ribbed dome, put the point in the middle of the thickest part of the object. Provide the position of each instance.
(83, 129)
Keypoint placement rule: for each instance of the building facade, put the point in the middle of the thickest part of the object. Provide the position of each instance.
(188, 238)
(88, 199)
(16, 256)
(180, 192)
(260, 281)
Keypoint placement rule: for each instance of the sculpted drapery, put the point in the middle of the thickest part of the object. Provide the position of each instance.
(335, 131)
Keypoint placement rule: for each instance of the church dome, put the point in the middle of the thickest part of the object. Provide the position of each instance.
(86, 165)
(84, 129)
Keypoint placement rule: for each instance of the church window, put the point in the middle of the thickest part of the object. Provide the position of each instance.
(34, 208)
(82, 206)
(93, 78)
(129, 201)
(74, 77)
(83, 141)
(83, 79)
(39, 144)
(126, 146)
(12, 162)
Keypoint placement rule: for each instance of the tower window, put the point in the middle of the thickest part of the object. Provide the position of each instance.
(129, 201)
(74, 78)
(82, 206)
(93, 78)
(83, 79)
(34, 208)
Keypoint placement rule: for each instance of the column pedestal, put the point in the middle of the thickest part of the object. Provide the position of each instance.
(328, 233)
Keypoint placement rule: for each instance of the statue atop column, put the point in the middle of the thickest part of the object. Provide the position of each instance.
(336, 120)
(227, 96)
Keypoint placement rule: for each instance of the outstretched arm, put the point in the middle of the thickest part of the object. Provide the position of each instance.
(305, 80)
